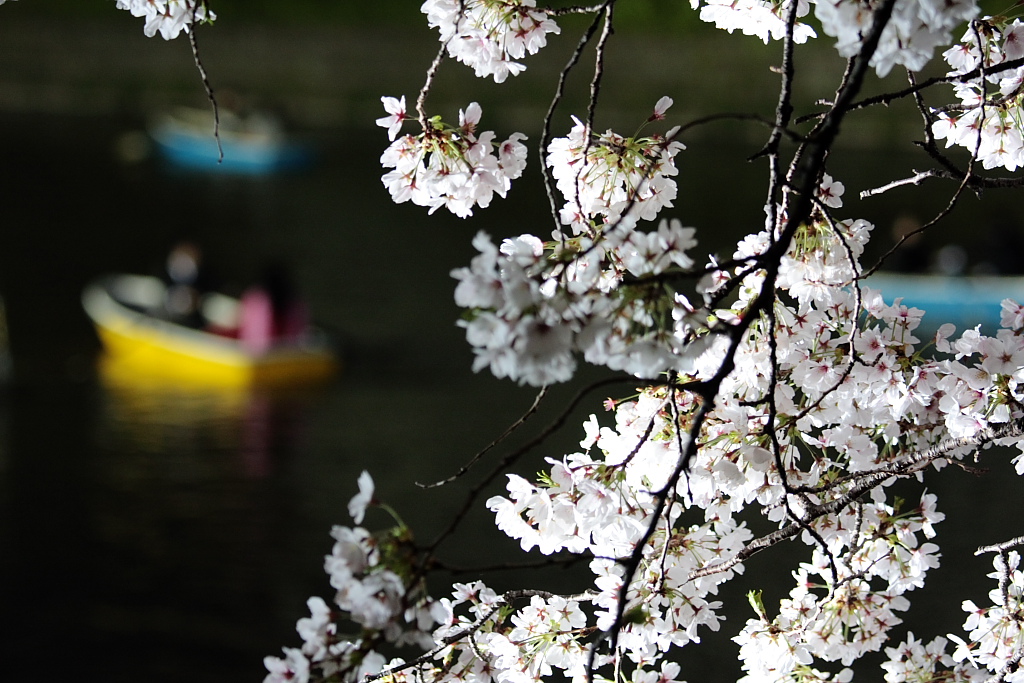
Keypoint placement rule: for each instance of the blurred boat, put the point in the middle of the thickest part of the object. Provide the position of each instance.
(964, 300)
(254, 144)
(142, 344)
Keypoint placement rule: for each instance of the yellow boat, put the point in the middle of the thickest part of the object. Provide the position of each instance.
(140, 343)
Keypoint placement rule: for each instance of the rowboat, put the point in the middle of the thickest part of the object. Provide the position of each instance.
(964, 300)
(251, 145)
(139, 341)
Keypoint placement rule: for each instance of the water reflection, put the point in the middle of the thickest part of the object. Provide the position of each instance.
(188, 528)
(248, 425)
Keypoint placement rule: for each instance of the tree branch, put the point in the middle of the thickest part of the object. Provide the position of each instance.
(504, 435)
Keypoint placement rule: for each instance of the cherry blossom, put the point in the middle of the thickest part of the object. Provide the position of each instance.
(761, 18)
(535, 306)
(489, 34)
(995, 632)
(293, 668)
(610, 178)
(453, 167)
(357, 506)
(396, 115)
(168, 17)
(909, 38)
(621, 496)
(988, 122)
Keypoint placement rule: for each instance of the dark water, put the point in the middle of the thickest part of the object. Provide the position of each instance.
(180, 533)
(160, 535)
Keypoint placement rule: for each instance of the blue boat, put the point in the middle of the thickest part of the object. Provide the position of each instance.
(254, 144)
(964, 300)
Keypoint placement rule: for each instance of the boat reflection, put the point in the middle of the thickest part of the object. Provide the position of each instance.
(251, 425)
(184, 541)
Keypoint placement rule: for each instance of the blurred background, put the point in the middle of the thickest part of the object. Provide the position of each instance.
(164, 533)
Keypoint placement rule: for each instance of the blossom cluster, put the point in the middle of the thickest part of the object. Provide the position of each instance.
(761, 18)
(996, 638)
(453, 167)
(881, 560)
(993, 646)
(988, 122)
(601, 506)
(610, 178)
(375, 588)
(529, 643)
(534, 306)
(910, 37)
(913, 660)
(168, 17)
(489, 35)
(860, 400)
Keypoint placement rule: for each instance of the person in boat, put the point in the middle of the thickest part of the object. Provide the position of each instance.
(188, 281)
(271, 312)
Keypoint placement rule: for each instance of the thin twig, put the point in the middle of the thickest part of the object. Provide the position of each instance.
(965, 182)
(545, 136)
(562, 11)
(504, 435)
(595, 83)
(1000, 547)
(733, 116)
(512, 457)
(917, 179)
(784, 107)
(969, 174)
(917, 88)
(566, 560)
(193, 42)
(421, 98)
(911, 463)
(595, 89)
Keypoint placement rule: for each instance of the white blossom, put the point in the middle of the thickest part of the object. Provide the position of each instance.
(762, 18)
(451, 167)
(489, 35)
(359, 502)
(611, 178)
(168, 17)
(989, 125)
